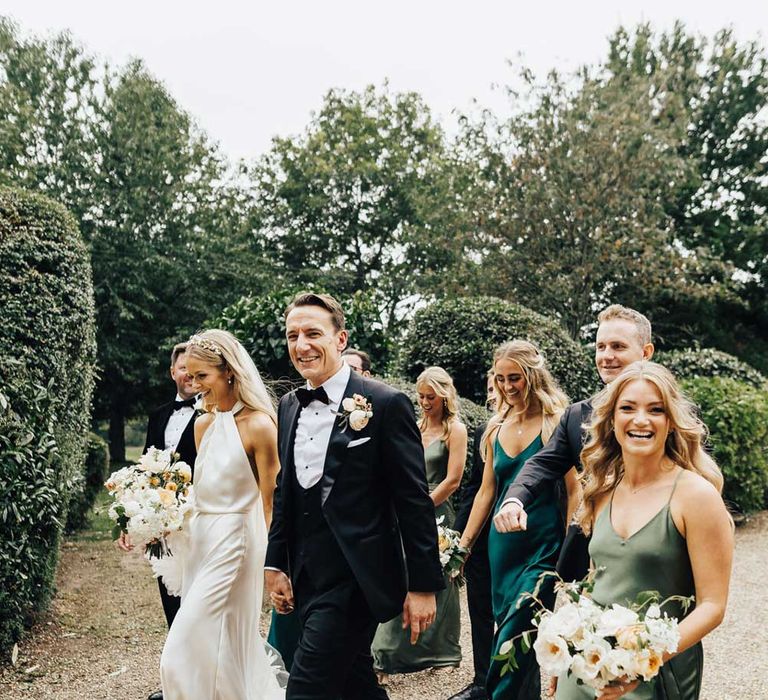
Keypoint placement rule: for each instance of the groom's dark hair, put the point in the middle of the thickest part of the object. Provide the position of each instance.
(324, 301)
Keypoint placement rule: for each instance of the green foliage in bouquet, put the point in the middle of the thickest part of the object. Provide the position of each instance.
(47, 351)
(708, 362)
(91, 481)
(736, 415)
(257, 322)
(460, 335)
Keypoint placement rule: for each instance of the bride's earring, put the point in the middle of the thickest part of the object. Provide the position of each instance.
(231, 381)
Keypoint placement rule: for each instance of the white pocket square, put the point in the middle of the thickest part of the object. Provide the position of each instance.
(359, 441)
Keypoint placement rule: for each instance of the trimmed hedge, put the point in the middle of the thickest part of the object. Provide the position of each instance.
(708, 362)
(257, 322)
(460, 335)
(736, 415)
(47, 355)
(89, 484)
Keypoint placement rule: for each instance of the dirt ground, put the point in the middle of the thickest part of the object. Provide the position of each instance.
(103, 636)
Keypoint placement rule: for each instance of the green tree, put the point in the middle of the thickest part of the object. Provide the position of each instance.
(350, 202)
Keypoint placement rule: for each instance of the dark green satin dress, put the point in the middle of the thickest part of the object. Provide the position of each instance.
(655, 558)
(439, 645)
(517, 560)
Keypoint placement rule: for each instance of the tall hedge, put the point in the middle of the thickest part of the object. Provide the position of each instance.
(461, 334)
(47, 351)
(708, 362)
(736, 415)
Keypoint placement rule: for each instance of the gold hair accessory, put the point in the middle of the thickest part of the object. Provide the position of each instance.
(205, 344)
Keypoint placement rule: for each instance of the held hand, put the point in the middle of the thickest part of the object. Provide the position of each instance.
(418, 613)
(617, 689)
(511, 518)
(124, 542)
(280, 591)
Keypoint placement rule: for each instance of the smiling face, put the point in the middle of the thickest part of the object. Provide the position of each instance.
(640, 420)
(181, 377)
(509, 377)
(490, 395)
(314, 344)
(210, 380)
(616, 346)
(430, 403)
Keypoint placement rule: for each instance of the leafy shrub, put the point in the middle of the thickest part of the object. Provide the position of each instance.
(737, 417)
(707, 362)
(460, 335)
(257, 322)
(90, 483)
(47, 350)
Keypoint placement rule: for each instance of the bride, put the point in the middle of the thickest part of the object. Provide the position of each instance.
(214, 650)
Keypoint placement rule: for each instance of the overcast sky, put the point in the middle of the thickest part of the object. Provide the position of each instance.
(248, 71)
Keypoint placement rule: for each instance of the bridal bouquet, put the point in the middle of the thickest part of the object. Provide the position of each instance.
(598, 644)
(151, 500)
(452, 555)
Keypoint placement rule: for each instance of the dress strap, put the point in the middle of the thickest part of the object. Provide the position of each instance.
(674, 485)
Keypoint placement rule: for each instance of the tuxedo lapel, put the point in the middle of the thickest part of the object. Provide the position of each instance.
(340, 438)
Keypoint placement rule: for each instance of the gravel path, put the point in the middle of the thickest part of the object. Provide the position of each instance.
(103, 635)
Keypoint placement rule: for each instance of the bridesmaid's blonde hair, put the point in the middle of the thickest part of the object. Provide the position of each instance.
(541, 390)
(602, 457)
(437, 379)
(222, 350)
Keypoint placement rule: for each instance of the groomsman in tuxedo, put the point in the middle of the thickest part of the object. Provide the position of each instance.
(358, 361)
(353, 540)
(623, 337)
(477, 570)
(172, 426)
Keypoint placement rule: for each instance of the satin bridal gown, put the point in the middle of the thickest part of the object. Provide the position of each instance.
(214, 650)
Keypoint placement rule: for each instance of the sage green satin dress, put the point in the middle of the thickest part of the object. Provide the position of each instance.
(655, 558)
(517, 560)
(439, 645)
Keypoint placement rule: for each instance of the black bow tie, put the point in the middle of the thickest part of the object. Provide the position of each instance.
(306, 396)
(181, 404)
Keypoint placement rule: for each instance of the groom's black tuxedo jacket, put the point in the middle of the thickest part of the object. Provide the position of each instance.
(374, 499)
(158, 420)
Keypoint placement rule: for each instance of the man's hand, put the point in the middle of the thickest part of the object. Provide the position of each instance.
(280, 591)
(418, 613)
(511, 518)
(124, 542)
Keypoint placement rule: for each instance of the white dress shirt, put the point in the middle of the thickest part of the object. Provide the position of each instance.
(177, 423)
(313, 431)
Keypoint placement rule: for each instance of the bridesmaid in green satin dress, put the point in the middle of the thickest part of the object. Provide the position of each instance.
(444, 438)
(652, 503)
(529, 405)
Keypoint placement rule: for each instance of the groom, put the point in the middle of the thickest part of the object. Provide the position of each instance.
(353, 540)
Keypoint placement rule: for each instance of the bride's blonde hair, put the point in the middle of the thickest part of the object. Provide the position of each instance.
(601, 456)
(222, 350)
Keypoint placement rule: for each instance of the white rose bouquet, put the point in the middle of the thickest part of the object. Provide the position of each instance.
(595, 643)
(452, 555)
(151, 500)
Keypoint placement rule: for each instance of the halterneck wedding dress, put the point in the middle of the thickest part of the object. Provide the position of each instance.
(214, 650)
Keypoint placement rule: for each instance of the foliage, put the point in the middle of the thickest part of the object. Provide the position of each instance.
(350, 203)
(47, 353)
(461, 334)
(707, 362)
(258, 323)
(91, 480)
(737, 417)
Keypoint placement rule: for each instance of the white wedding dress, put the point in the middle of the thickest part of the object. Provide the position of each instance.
(214, 650)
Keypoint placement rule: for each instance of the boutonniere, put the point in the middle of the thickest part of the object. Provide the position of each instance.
(356, 411)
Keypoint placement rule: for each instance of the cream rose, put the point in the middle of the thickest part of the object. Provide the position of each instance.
(358, 419)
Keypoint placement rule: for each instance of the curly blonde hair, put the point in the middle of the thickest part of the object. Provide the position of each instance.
(541, 390)
(222, 350)
(437, 379)
(601, 456)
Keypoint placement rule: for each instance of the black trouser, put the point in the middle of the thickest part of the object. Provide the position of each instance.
(333, 659)
(171, 603)
(478, 573)
(573, 562)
